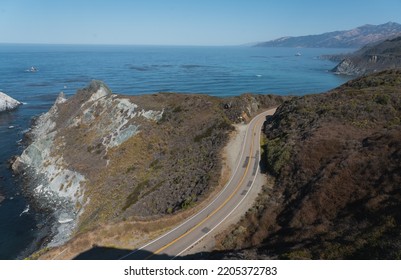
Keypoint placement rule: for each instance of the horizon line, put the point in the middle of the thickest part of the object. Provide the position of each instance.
(128, 44)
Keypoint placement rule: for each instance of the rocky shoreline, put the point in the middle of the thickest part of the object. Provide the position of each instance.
(100, 158)
(43, 174)
(369, 59)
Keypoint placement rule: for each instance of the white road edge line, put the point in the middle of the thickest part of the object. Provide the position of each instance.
(59, 254)
(239, 203)
(204, 209)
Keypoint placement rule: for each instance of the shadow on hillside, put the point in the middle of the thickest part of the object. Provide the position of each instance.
(263, 156)
(106, 253)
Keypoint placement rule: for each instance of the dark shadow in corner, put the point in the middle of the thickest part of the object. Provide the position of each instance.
(106, 253)
(102, 253)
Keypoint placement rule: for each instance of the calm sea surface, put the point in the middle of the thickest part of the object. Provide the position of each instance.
(133, 70)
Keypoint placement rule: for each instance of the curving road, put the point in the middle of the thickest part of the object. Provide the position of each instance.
(181, 238)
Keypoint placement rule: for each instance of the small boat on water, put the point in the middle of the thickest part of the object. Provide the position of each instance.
(298, 54)
(32, 69)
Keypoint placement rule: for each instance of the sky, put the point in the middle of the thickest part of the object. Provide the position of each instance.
(183, 22)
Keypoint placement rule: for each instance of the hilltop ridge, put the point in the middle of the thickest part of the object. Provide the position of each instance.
(98, 158)
(334, 159)
(354, 38)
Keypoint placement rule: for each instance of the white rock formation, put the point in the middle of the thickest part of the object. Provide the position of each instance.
(61, 186)
(7, 102)
(107, 117)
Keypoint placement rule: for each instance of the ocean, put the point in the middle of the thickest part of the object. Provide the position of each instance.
(131, 70)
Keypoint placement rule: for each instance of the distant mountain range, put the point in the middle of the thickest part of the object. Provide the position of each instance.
(354, 38)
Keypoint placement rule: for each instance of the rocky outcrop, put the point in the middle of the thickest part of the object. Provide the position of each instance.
(7, 103)
(52, 162)
(348, 67)
(336, 160)
(99, 158)
(372, 58)
(244, 107)
(53, 185)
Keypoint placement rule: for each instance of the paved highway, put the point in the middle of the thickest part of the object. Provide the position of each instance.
(175, 242)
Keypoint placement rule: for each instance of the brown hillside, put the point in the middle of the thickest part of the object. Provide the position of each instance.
(336, 158)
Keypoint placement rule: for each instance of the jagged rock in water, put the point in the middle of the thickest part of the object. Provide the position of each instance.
(7, 103)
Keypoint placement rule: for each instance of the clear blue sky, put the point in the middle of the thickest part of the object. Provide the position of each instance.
(183, 22)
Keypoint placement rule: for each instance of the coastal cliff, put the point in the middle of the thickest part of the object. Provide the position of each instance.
(99, 158)
(334, 160)
(371, 59)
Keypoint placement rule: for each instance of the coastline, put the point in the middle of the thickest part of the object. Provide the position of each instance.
(229, 156)
(213, 89)
(60, 187)
(42, 176)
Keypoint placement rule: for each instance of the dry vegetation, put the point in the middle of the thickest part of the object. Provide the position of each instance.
(166, 167)
(336, 158)
(140, 188)
(371, 58)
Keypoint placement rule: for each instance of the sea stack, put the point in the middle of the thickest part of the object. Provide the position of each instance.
(7, 103)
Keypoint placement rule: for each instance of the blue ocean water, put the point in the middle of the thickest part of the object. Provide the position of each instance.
(132, 70)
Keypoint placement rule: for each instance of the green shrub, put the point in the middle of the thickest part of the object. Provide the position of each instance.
(278, 154)
(134, 196)
(382, 99)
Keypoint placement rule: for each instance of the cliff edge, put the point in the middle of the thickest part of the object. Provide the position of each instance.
(99, 158)
(372, 59)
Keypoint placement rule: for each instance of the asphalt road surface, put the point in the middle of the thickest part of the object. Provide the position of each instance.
(175, 242)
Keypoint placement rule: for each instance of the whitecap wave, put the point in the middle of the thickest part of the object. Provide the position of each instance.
(26, 210)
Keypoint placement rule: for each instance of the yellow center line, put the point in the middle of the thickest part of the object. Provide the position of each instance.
(217, 209)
